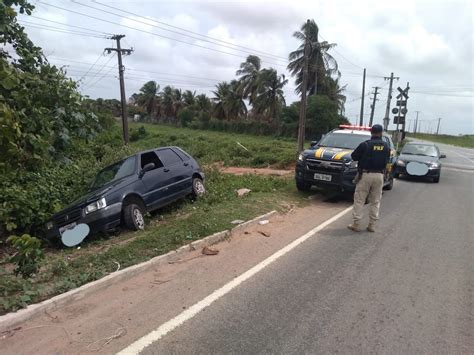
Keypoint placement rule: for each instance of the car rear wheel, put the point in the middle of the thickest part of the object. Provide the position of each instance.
(133, 217)
(303, 186)
(198, 187)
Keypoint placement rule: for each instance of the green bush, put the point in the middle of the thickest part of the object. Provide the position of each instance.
(185, 116)
(136, 134)
(28, 254)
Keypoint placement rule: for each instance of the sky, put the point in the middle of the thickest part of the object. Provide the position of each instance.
(428, 44)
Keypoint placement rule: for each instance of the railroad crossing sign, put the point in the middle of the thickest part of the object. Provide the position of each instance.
(401, 102)
(399, 120)
(403, 93)
(394, 110)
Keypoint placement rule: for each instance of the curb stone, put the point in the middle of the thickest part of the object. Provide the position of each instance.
(10, 320)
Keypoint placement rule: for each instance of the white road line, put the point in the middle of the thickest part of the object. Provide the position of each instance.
(162, 330)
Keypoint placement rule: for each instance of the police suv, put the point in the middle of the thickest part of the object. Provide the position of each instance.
(328, 163)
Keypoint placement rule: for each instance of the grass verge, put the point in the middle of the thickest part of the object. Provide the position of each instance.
(176, 225)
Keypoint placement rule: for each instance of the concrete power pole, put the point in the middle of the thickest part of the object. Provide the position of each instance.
(386, 119)
(437, 129)
(304, 86)
(121, 68)
(416, 123)
(361, 120)
(372, 107)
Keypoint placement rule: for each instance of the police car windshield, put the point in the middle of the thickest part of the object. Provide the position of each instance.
(420, 149)
(343, 140)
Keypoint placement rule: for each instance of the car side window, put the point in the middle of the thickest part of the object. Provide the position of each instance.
(181, 154)
(169, 157)
(150, 157)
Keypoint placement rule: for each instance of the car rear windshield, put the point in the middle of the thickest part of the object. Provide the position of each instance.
(343, 140)
(114, 172)
(420, 149)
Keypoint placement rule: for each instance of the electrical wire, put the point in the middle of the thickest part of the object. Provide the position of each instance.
(148, 32)
(144, 71)
(100, 70)
(59, 30)
(182, 29)
(90, 68)
(67, 25)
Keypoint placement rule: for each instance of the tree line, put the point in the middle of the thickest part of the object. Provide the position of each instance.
(255, 97)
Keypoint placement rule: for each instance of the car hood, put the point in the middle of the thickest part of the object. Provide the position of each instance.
(95, 194)
(329, 153)
(417, 158)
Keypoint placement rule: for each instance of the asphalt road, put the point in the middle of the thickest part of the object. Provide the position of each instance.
(409, 288)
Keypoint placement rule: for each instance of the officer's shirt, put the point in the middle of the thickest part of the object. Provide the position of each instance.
(372, 155)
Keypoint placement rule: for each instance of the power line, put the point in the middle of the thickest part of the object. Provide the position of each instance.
(179, 28)
(100, 70)
(60, 30)
(67, 25)
(90, 68)
(144, 71)
(148, 32)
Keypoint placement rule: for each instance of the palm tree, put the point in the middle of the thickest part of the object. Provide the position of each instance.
(320, 65)
(167, 100)
(203, 103)
(148, 97)
(248, 81)
(229, 101)
(178, 102)
(270, 97)
(335, 92)
(189, 97)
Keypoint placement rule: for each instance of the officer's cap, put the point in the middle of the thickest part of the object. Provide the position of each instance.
(376, 128)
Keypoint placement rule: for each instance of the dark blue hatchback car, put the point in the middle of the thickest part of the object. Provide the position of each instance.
(123, 192)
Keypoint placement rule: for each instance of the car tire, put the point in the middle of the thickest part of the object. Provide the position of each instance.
(133, 217)
(390, 185)
(436, 179)
(303, 186)
(198, 188)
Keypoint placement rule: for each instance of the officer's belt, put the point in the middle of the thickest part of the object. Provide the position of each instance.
(373, 171)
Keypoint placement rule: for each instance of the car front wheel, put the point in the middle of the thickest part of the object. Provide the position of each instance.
(198, 187)
(389, 186)
(133, 217)
(303, 186)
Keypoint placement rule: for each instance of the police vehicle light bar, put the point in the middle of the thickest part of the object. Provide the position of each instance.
(354, 127)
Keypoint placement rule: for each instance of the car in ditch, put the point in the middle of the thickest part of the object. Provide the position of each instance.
(328, 164)
(123, 192)
(420, 160)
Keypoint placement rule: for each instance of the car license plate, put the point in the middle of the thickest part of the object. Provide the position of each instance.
(322, 177)
(66, 227)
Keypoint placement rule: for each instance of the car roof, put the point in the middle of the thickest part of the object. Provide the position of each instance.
(421, 143)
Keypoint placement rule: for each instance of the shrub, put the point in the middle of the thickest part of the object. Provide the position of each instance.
(28, 254)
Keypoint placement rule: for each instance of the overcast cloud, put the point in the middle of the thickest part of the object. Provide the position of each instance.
(426, 43)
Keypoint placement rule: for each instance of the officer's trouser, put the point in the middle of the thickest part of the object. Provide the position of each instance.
(370, 185)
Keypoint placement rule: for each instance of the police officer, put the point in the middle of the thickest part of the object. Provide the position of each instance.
(373, 156)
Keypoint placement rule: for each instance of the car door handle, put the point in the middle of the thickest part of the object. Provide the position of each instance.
(166, 170)
(186, 164)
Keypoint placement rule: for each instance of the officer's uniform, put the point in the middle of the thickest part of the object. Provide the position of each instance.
(373, 156)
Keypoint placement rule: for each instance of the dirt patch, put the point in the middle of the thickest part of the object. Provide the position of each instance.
(256, 171)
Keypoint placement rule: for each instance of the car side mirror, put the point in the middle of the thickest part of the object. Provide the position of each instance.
(442, 156)
(313, 143)
(147, 167)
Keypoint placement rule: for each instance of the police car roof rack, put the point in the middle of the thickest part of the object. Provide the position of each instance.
(354, 127)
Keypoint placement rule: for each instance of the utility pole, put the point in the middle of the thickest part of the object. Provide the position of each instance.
(386, 119)
(121, 68)
(361, 120)
(437, 129)
(416, 123)
(372, 107)
(304, 86)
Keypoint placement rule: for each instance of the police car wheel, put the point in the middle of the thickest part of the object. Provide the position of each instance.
(303, 186)
(390, 185)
